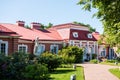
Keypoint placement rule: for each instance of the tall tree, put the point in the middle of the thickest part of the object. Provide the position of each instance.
(108, 12)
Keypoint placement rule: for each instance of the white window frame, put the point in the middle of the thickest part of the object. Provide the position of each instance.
(23, 45)
(54, 45)
(71, 42)
(6, 49)
(90, 36)
(75, 34)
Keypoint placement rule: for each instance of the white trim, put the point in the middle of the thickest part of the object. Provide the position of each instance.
(56, 42)
(75, 34)
(23, 45)
(89, 36)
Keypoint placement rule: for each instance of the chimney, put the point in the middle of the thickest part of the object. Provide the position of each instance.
(20, 23)
(35, 25)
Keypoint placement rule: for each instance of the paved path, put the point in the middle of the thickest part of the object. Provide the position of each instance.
(98, 72)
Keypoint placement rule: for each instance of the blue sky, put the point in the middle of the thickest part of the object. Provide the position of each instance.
(45, 11)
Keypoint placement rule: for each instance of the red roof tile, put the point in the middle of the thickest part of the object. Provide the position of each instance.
(7, 32)
(96, 35)
(26, 33)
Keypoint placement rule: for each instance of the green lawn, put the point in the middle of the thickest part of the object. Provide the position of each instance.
(116, 72)
(108, 63)
(65, 73)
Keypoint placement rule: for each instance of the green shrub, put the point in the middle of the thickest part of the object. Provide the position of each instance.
(36, 72)
(72, 54)
(95, 61)
(110, 61)
(17, 64)
(94, 56)
(53, 61)
(118, 59)
(13, 67)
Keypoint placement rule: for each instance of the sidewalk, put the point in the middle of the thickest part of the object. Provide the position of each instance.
(98, 72)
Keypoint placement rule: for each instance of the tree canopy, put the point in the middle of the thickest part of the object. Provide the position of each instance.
(91, 29)
(108, 12)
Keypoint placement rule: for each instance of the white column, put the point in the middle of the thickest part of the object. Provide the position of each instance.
(97, 50)
(80, 43)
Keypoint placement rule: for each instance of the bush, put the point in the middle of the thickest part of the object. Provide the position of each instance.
(13, 67)
(53, 61)
(36, 72)
(110, 61)
(94, 61)
(72, 54)
(94, 56)
(17, 63)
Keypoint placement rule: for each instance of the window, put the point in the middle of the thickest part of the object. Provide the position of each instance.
(22, 48)
(54, 49)
(4, 47)
(71, 43)
(40, 49)
(75, 34)
(89, 35)
(103, 53)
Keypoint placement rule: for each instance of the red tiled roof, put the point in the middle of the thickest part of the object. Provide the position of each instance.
(26, 33)
(96, 35)
(49, 32)
(82, 35)
(7, 32)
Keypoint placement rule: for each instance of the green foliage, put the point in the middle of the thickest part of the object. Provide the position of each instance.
(95, 61)
(91, 29)
(51, 60)
(65, 73)
(94, 56)
(108, 12)
(72, 54)
(110, 61)
(12, 67)
(46, 26)
(36, 72)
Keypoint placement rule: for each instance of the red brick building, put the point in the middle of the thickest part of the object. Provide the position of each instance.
(15, 37)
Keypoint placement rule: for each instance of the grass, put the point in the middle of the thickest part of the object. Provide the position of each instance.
(65, 73)
(108, 63)
(115, 72)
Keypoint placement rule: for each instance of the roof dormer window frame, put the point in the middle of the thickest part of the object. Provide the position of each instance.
(90, 36)
(75, 34)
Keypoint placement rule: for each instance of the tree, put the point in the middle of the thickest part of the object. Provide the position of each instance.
(46, 26)
(91, 29)
(108, 13)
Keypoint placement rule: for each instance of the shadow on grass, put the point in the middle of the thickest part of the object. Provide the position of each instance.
(62, 71)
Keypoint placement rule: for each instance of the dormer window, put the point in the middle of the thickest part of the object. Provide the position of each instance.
(89, 35)
(75, 34)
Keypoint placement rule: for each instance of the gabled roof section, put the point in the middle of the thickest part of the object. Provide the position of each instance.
(82, 35)
(70, 26)
(25, 33)
(5, 32)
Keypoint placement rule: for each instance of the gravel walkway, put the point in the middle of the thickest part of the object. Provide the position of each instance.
(98, 72)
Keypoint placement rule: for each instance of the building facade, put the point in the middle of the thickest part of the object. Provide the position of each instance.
(16, 37)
